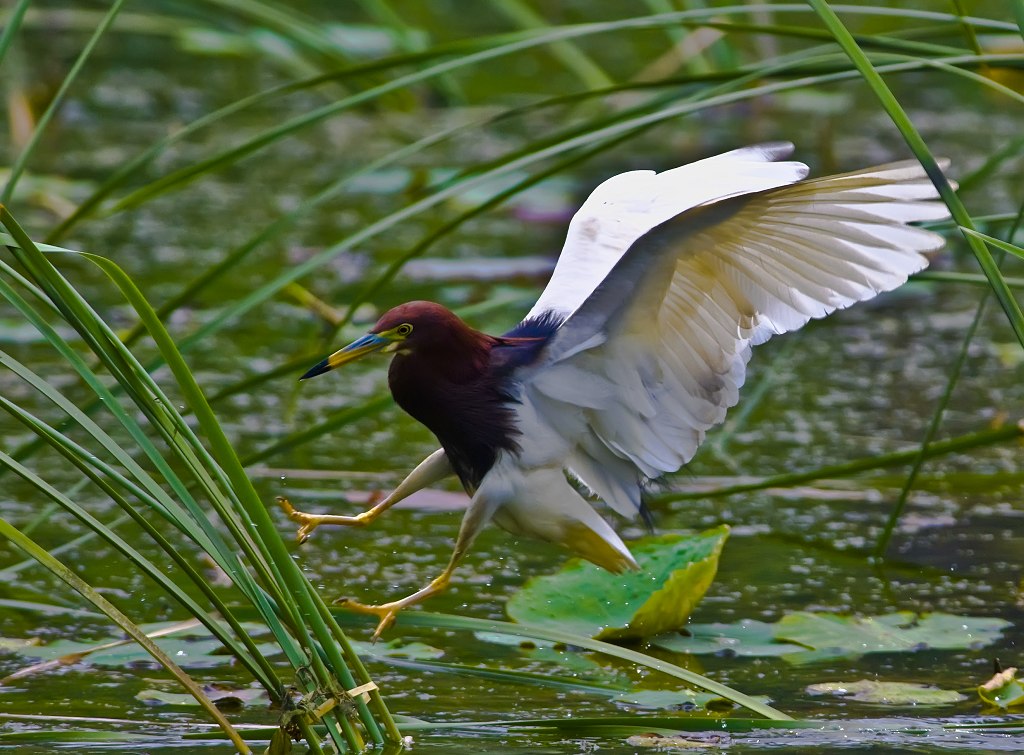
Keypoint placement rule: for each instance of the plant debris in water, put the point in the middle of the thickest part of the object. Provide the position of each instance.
(1003, 690)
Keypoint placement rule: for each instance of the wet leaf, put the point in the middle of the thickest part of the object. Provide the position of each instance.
(675, 572)
(1003, 690)
(832, 635)
(226, 698)
(681, 699)
(804, 636)
(887, 693)
(746, 638)
(671, 742)
(416, 651)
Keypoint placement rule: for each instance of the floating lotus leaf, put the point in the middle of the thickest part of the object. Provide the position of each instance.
(833, 635)
(675, 572)
(804, 636)
(745, 638)
(887, 693)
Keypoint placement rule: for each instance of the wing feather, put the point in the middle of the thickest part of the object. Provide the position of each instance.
(658, 332)
(626, 206)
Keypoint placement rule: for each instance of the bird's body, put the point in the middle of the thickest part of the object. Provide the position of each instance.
(639, 343)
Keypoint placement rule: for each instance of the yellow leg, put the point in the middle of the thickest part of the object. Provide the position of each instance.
(433, 468)
(388, 612)
(309, 522)
(475, 518)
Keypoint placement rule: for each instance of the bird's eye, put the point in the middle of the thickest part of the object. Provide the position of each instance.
(404, 329)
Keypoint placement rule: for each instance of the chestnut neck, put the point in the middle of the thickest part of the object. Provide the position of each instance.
(448, 383)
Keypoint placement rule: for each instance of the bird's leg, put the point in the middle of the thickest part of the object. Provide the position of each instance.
(475, 518)
(433, 468)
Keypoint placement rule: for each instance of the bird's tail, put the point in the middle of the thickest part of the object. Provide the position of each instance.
(545, 506)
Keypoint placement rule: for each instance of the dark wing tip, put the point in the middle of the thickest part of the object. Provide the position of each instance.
(646, 517)
(318, 369)
(773, 151)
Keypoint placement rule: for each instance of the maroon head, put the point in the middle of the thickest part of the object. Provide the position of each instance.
(416, 327)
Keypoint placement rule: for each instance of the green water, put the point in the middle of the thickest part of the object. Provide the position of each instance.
(863, 383)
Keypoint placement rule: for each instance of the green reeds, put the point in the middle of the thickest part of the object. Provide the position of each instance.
(211, 484)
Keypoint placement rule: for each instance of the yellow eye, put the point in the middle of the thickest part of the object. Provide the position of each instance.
(404, 329)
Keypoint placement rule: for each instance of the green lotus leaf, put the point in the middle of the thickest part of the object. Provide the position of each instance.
(675, 572)
(832, 635)
(745, 638)
(887, 693)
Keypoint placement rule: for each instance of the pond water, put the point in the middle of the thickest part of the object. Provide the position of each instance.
(863, 383)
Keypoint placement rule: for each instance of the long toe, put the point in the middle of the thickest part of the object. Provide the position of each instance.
(383, 625)
(387, 613)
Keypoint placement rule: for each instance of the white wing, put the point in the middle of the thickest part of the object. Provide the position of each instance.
(654, 356)
(626, 206)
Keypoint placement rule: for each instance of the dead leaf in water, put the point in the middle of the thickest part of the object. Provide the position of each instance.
(1003, 690)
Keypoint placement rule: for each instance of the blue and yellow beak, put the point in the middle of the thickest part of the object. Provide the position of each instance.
(368, 344)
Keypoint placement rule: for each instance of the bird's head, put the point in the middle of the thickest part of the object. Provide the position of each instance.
(417, 326)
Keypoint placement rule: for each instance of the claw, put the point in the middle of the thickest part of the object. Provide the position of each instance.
(309, 522)
(386, 612)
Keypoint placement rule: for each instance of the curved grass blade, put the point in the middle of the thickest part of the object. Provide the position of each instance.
(65, 574)
(58, 99)
(546, 37)
(917, 145)
(11, 26)
(338, 419)
(572, 57)
(1009, 432)
(1004, 246)
(465, 623)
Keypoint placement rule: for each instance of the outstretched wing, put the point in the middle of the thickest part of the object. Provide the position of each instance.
(653, 357)
(626, 206)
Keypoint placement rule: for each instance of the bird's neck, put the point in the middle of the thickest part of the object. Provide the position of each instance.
(452, 388)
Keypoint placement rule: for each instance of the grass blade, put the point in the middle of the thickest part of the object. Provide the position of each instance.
(917, 145)
(466, 623)
(127, 626)
(58, 99)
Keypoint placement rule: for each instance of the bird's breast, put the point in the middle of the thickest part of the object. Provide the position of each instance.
(472, 417)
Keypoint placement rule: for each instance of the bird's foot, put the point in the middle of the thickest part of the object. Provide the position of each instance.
(309, 522)
(386, 613)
